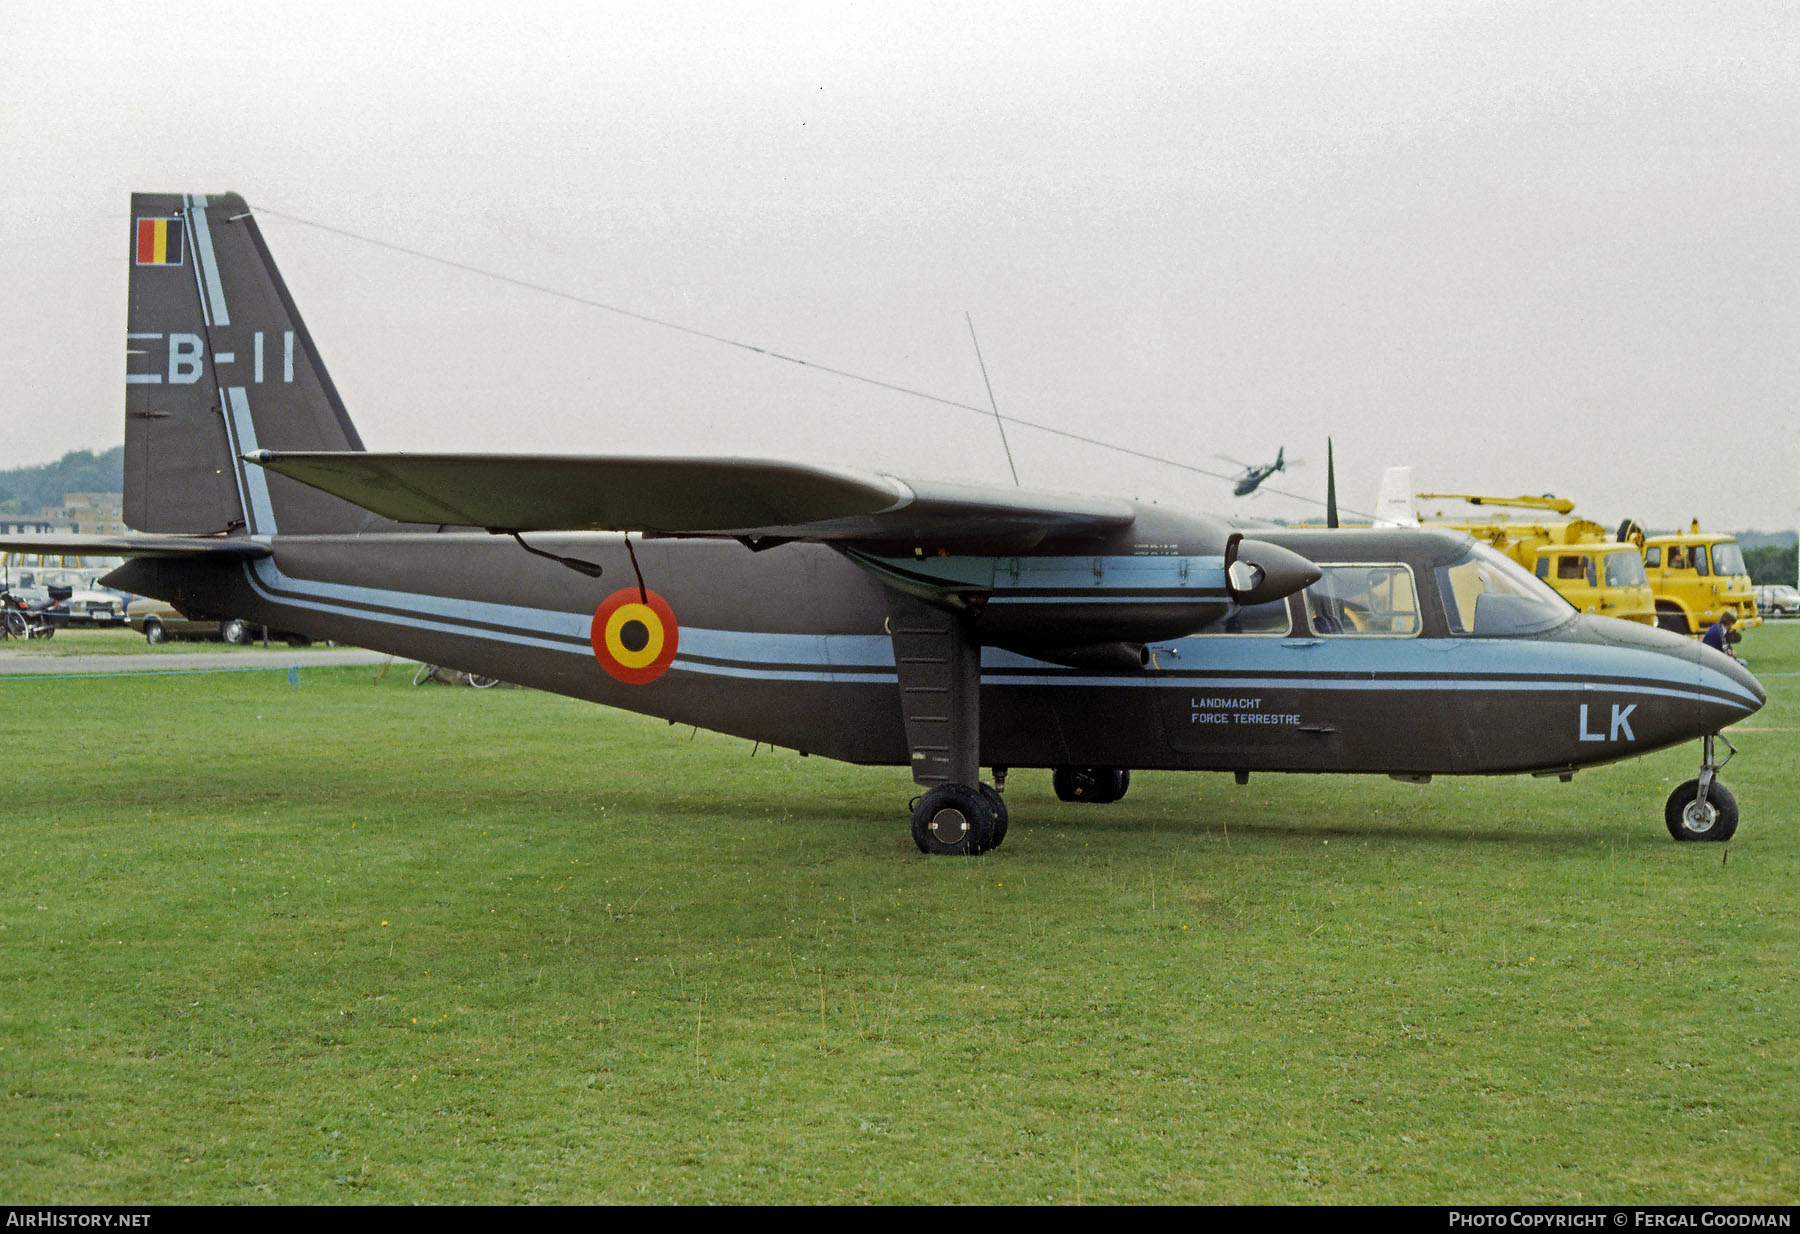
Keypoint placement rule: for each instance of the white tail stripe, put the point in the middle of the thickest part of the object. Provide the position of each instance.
(207, 266)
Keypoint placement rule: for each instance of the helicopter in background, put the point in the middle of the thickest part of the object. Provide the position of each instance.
(1256, 473)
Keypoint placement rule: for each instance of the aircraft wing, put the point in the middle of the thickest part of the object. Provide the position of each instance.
(75, 545)
(743, 498)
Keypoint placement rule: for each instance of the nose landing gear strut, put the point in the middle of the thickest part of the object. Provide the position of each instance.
(1703, 808)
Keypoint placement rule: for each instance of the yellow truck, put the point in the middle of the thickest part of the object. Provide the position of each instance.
(1697, 576)
(1597, 571)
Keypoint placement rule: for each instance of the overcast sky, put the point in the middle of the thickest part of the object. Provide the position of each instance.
(1531, 247)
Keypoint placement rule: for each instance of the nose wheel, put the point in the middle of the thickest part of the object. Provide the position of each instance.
(1703, 808)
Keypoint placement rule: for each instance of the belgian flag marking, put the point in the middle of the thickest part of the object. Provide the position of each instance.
(159, 242)
(634, 635)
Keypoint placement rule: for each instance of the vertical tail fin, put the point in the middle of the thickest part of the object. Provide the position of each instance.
(218, 363)
(1395, 505)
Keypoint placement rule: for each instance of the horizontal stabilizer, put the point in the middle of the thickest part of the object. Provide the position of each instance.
(690, 496)
(72, 545)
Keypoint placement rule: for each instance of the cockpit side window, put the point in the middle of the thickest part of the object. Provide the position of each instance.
(1575, 566)
(1368, 601)
(1265, 619)
(1487, 595)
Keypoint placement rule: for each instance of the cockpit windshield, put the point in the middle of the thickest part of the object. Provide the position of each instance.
(1488, 595)
(1625, 569)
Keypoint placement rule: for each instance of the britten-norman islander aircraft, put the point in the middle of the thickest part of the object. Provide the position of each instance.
(866, 617)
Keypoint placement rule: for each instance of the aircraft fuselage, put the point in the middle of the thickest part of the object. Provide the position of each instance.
(791, 647)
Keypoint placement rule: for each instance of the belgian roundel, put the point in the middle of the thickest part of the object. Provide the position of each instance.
(634, 635)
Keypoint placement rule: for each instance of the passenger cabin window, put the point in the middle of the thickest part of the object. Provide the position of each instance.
(1368, 601)
(1653, 557)
(1489, 596)
(1677, 558)
(1270, 618)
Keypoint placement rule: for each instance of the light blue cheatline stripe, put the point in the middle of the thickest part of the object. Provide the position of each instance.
(1454, 657)
(518, 623)
(255, 479)
(207, 265)
(793, 651)
(785, 674)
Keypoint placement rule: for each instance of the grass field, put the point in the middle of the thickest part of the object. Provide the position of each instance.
(363, 942)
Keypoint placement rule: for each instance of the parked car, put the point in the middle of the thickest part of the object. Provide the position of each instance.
(64, 606)
(161, 621)
(65, 590)
(1777, 600)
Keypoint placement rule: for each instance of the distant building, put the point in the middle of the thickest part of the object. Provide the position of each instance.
(91, 514)
(31, 525)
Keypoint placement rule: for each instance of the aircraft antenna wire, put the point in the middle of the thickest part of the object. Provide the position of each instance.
(587, 302)
(998, 421)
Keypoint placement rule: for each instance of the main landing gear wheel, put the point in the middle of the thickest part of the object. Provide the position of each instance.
(958, 821)
(1690, 818)
(1095, 785)
(997, 804)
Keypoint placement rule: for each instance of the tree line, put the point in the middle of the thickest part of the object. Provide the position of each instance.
(26, 490)
(1773, 563)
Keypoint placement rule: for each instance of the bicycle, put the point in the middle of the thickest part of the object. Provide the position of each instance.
(19, 620)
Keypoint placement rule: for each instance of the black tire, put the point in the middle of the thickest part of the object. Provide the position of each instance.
(235, 631)
(1073, 783)
(155, 632)
(1092, 785)
(1631, 533)
(298, 640)
(1673, 620)
(1687, 820)
(953, 820)
(16, 625)
(997, 804)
